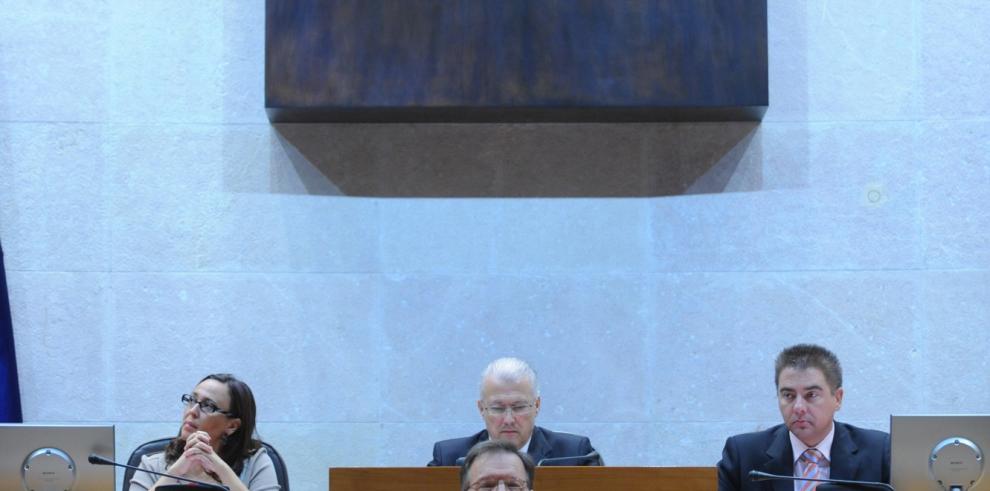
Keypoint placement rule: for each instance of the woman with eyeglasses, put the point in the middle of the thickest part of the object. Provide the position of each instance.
(215, 442)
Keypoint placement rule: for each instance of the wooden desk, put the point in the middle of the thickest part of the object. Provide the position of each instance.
(547, 478)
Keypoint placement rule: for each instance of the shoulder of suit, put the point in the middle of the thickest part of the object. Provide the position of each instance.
(157, 458)
(760, 435)
(260, 453)
(560, 434)
(462, 440)
(857, 432)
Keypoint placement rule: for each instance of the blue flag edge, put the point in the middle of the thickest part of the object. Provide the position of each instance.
(10, 394)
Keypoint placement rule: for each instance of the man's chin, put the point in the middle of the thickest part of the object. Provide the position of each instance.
(511, 436)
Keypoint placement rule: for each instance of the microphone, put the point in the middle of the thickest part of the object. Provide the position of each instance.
(98, 460)
(757, 476)
(590, 457)
(593, 455)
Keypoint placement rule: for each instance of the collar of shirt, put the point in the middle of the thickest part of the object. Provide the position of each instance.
(824, 446)
(525, 448)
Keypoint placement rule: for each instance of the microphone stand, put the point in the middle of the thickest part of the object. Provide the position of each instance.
(589, 457)
(98, 460)
(757, 476)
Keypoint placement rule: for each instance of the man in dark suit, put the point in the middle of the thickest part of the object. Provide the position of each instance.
(810, 443)
(509, 404)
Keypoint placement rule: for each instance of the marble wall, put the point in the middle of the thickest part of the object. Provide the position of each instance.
(157, 228)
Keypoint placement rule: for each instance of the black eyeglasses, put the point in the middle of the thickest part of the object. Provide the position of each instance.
(206, 406)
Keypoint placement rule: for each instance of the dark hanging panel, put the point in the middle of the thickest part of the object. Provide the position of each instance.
(515, 60)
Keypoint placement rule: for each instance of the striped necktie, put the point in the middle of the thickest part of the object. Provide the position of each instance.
(814, 465)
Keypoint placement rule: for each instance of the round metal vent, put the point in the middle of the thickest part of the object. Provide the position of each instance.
(956, 463)
(48, 469)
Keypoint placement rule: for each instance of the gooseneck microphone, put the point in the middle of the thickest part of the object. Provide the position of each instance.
(592, 456)
(98, 460)
(757, 476)
(589, 457)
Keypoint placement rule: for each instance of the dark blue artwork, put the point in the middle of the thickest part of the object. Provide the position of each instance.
(557, 55)
(10, 397)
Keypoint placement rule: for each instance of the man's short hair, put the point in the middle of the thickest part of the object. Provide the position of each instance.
(496, 446)
(511, 370)
(804, 356)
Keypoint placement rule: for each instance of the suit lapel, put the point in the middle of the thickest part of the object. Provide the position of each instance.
(844, 449)
(781, 459)
(539, 448)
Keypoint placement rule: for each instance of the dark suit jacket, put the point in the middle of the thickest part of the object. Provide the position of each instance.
(543, 444)
(857, 454)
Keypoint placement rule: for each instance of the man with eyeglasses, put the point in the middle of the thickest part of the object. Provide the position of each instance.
(509, 404)
(496, 465)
